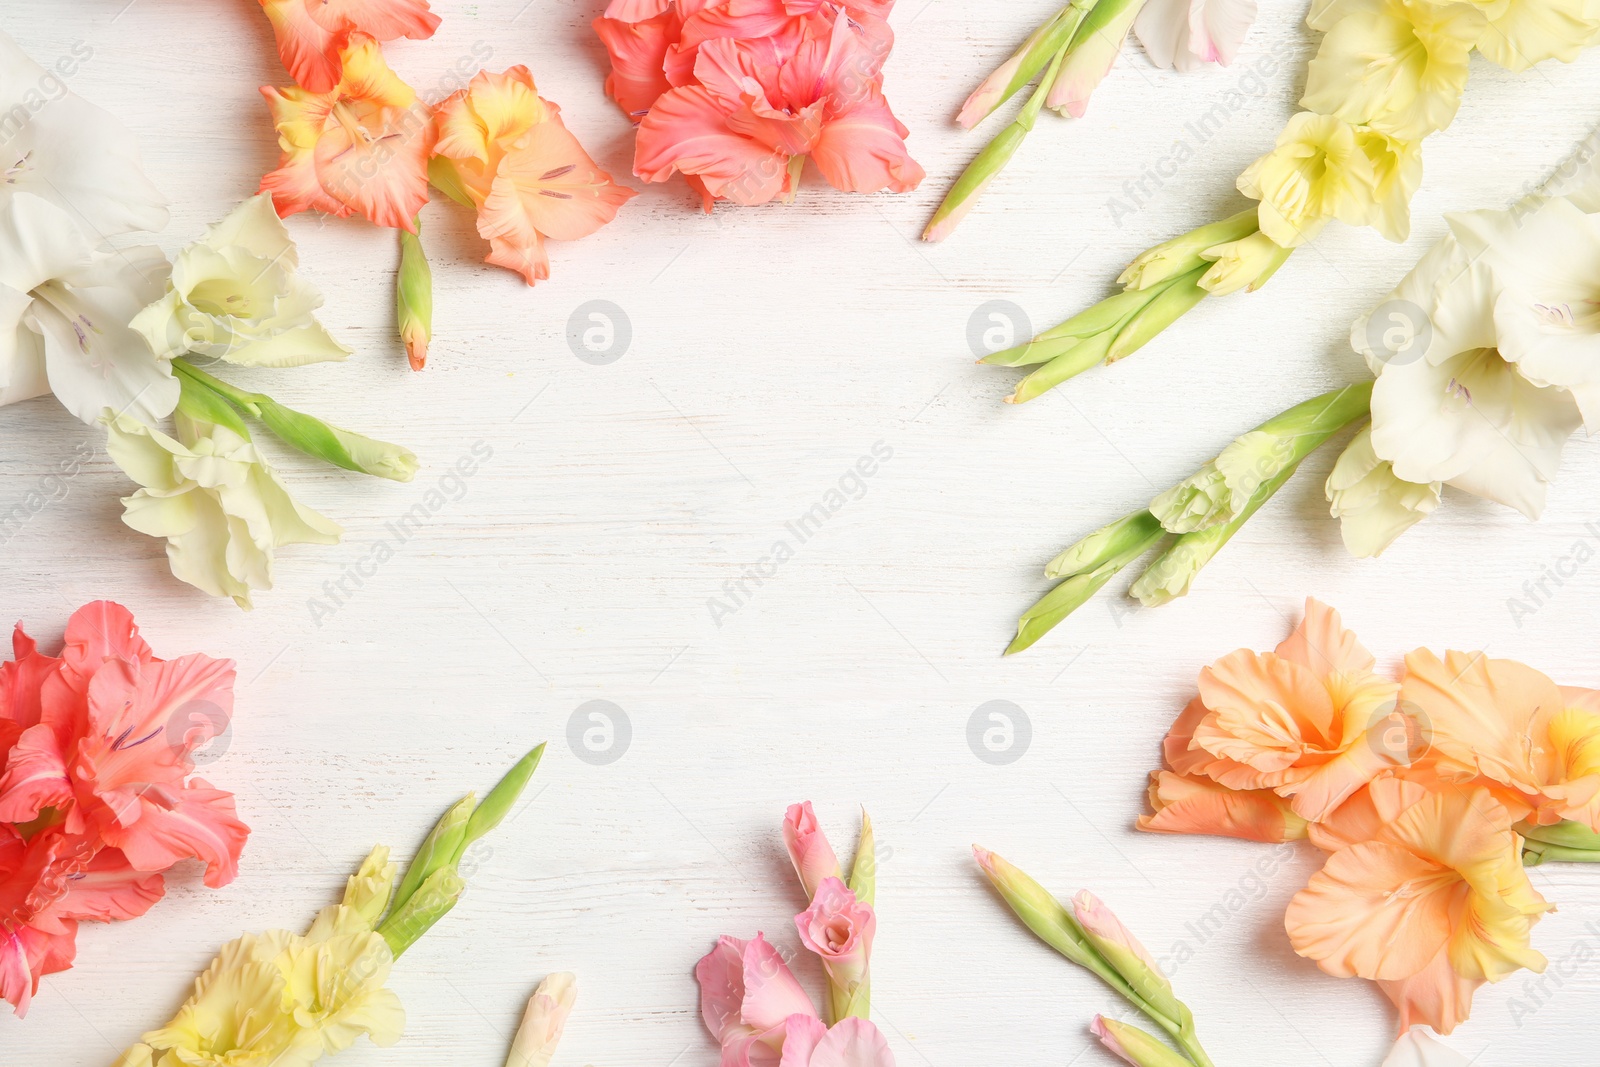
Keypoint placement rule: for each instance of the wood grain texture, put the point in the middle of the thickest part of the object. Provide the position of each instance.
(771, 349)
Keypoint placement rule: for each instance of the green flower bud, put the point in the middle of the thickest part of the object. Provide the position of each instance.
(342, 448)
(1183, 254)
(440, 850)
(500, 800)
(415, 916)
(1135, 1046)
(864, 872)
(413, 294)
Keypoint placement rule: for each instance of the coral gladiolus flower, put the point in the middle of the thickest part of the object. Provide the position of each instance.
(1433, 905)
(758, 107)
(95, 749)
(1515, 727)
(1309, 720)
(504, 150)
(359, 148)
(312, 34)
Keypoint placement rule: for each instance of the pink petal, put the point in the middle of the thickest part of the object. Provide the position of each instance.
(771, 992)
(720, 973)
(638, 53)
(36, 776)
(687, 131)
(862, 149)
(853, 1043)
(98, 632)
(196, 821)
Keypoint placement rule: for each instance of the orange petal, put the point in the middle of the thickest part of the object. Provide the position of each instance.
(862, 149)
(528, 260)
(1199, 806)
(309, 50)
(687, 131)
(1267, 712)
(548, 185)
(1435, 996)
(1322, 645)
(1375, 910)
(385, 19)
(1365, 814)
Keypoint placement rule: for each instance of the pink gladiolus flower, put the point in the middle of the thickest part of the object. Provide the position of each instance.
(749, 1000)
(850, 1043)
(839, 929)
(96, 749)
(312, 34)
(359, 148)
(504, 149)
(813, 857)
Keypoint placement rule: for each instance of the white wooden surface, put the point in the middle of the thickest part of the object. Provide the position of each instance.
(771, 348)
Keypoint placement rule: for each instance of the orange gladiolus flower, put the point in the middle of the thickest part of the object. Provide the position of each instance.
(504, 150)
(1308, 720)
(1432, 905)
(313, 34)
(1537, 744)
(360, 148)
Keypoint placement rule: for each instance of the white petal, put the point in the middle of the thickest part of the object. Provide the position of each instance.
(1419, 1049)
(72, 153)
(255, 226)
(292, 348)
(1218, 27)
(1162, 28)
(95, 361)
(22, 374)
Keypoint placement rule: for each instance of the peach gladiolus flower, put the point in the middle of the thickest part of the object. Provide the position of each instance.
(360, 148)
(1308, 720)
(1192, 805)
(504, 150)
(1537, 743)
(312, 34)
(1435, 903)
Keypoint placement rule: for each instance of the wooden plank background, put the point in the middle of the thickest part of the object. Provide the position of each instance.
(770, 350)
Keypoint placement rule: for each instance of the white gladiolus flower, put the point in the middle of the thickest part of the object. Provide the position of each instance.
(235, 296)
(63, 149)
(1188, 34)
(217, 503)
(64, 312)
(1418, 1048)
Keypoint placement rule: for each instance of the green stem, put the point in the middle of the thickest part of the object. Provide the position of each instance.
(249, 402)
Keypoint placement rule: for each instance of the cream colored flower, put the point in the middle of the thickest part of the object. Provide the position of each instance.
(367, 892)
(235, 1017)
(234, 295)
(1521, 33)
(1398, 66)
(333, 985)
(1396, 174)
(1318, 171)
(219, 505)
(1372, 505)
(540, 1032)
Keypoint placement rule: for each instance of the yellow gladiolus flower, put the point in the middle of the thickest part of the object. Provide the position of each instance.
(235, 1017)
(1521, 33)
(1318, 171)
(1398, 66)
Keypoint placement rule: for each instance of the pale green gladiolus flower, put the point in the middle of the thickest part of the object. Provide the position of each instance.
(441, 849)
(234, 296)
(216, 501)
(1183, 254)
(1373, 506)
(1248, 263)
(368, 890)
(1220, 491)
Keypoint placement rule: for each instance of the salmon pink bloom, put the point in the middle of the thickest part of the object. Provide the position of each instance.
(1536, 744)
(813, 857)
(1434, 904)
(359, 148)
(1310, 720)
(504, 150)
(749, 999)
(312, 34)
(758, 87)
